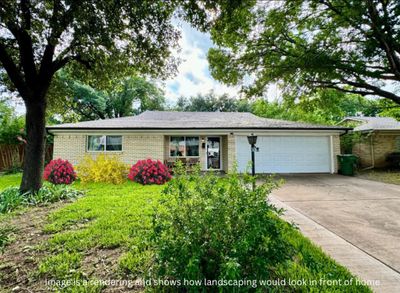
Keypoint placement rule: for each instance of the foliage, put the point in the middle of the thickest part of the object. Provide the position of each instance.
(207, 228)
(59, 171)
(11, 198)
(5, 237)
(127, 96)
(211, 103)
(11, 126)
(352, 46)
(149, 172)
(103, 168)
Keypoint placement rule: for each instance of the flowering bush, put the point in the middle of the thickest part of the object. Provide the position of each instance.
(104, 168)
(149, 172)
(59, 171)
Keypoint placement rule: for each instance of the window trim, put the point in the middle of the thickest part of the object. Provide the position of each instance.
(184, 138)
(105, 144)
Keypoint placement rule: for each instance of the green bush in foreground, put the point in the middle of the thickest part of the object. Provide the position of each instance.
(11, 198)
(212, 228)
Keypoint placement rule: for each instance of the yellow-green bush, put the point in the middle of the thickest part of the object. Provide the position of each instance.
(102, 169)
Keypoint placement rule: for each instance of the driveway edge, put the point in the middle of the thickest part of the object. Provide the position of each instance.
(377, 275)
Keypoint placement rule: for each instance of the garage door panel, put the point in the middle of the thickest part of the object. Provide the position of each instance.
(286, 154)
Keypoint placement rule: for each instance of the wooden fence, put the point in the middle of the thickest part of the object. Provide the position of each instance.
(12, 156)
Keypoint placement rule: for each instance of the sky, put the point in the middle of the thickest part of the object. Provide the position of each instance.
(193, 75)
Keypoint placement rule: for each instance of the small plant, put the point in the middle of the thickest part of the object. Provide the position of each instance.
(104, 168)
(5, 237)
(59, 171)
(149, 172)
(11, 198)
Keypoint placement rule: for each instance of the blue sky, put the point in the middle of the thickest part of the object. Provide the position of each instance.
(193, 75)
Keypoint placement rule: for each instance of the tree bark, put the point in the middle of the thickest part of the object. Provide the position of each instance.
(35, 148)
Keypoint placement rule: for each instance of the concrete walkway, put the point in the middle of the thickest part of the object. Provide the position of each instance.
(379, 276)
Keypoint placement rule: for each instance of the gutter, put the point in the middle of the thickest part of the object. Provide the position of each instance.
(50, 128)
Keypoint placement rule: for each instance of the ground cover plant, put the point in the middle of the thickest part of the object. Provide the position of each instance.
(109, 234)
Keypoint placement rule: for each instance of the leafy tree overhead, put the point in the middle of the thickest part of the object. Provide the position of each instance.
(211, 103)
(38, 38)
(11, 125)
(82, 102)
(351, 46)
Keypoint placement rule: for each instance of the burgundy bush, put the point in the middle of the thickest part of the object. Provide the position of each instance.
(149, 172)
(59, 171)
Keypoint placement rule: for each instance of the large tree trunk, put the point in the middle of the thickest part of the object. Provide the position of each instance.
(35, 148)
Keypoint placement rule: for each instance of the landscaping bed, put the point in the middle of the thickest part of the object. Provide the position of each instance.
(100, 237)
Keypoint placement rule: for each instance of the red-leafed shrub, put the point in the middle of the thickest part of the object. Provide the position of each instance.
(59, 171)
(149, 172)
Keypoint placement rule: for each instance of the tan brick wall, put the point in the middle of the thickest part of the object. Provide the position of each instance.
(231, 152)
(134, 148)
(383, 144)
(336, 151)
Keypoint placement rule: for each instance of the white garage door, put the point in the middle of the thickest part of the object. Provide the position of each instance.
(286, 154)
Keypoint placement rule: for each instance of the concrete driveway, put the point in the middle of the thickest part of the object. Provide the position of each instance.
(364, 213)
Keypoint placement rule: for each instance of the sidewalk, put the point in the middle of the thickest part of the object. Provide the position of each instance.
(378, 276)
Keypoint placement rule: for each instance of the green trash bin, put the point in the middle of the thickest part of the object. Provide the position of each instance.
(347, 164)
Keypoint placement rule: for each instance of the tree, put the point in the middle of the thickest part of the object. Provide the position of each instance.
(38, 38)
(126, 97)
(211, 103)
(11, 125)
(350, 46)
(323, 107)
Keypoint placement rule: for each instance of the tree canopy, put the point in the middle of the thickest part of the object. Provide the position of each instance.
(303, 45)
(211, 102)
(81, 102)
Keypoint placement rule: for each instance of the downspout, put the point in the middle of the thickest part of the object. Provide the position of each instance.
(372, 152)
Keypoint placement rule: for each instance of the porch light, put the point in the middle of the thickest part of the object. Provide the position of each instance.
(252, 139)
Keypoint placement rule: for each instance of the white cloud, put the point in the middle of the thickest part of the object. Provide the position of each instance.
(193, 75)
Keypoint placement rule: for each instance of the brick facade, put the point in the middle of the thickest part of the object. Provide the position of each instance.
(134, 147)
(141, 146)
(373, 148)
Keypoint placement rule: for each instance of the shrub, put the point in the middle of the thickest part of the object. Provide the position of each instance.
(59, 172)
(212, 228)
(11, 198)
(149, 172)
(102, 169)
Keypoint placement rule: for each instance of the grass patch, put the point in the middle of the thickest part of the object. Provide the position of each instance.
(11, 180)
(5, 237)
(385, 176)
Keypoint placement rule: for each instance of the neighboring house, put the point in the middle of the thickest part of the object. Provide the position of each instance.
(379, 136)
(217, 140)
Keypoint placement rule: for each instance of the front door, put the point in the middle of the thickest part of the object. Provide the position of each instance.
(214, 152)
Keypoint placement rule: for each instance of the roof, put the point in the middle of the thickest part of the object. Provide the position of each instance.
(375, 123)
(192, 120)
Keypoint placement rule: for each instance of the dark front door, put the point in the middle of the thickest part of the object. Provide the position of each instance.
(214, 152)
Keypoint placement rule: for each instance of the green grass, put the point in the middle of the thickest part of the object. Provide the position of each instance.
(118, 217)
(10, 180)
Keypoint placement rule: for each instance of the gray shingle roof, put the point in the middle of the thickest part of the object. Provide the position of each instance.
(192, 120)
(375, 123)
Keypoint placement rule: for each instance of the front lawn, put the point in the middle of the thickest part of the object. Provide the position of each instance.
(95, 238)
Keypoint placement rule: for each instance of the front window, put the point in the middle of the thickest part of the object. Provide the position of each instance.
(184, 146)
(100, 143)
